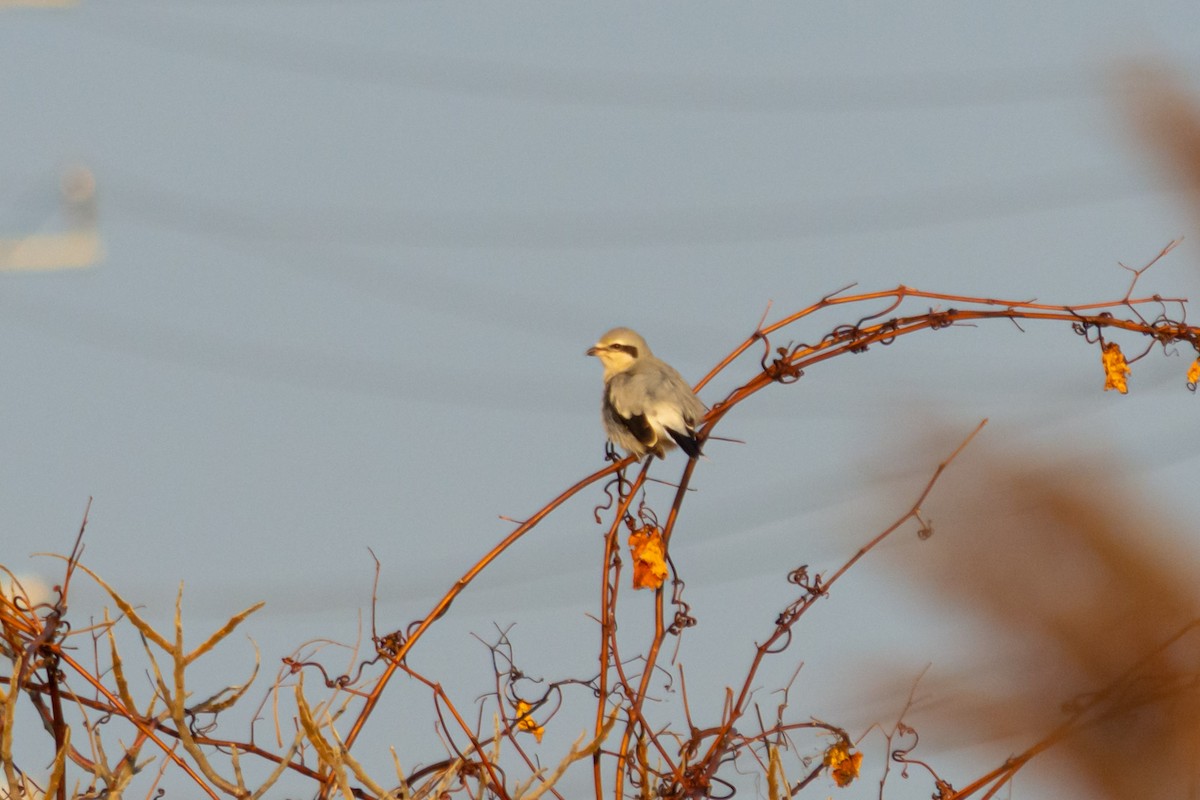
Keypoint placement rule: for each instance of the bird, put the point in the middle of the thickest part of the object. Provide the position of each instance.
(647, 407)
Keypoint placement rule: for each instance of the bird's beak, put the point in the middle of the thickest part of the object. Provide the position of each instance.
(591, 351)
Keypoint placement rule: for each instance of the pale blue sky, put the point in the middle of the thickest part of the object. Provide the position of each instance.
(355, 253)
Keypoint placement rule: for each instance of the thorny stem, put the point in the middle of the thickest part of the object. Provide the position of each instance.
(59, 723)
(738, 708)
(607, 613)
(142, 726)
(161, 727)
(439, 692)
(897, 728)
(659, 630)
(443, 605)
(853, 339)
(869, 330)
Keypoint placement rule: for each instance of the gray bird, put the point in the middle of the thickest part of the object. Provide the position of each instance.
(648, 407)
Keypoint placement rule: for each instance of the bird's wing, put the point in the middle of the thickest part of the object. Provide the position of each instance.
(654, 390)
(634, 425)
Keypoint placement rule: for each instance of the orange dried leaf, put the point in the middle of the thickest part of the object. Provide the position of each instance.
(526, 722)
(649, 558)
(843, 764)
(1115, 368)
(847, 771)
(1193, 376)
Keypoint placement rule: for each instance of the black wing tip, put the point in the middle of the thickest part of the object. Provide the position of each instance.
(687, 442)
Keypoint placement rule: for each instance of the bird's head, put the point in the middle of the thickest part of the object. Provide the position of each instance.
(619, 349)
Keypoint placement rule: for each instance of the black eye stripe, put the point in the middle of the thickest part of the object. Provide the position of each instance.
(625, 348)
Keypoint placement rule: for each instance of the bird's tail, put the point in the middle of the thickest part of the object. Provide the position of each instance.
(687, 442)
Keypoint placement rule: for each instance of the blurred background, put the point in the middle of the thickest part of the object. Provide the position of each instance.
(283, 284)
